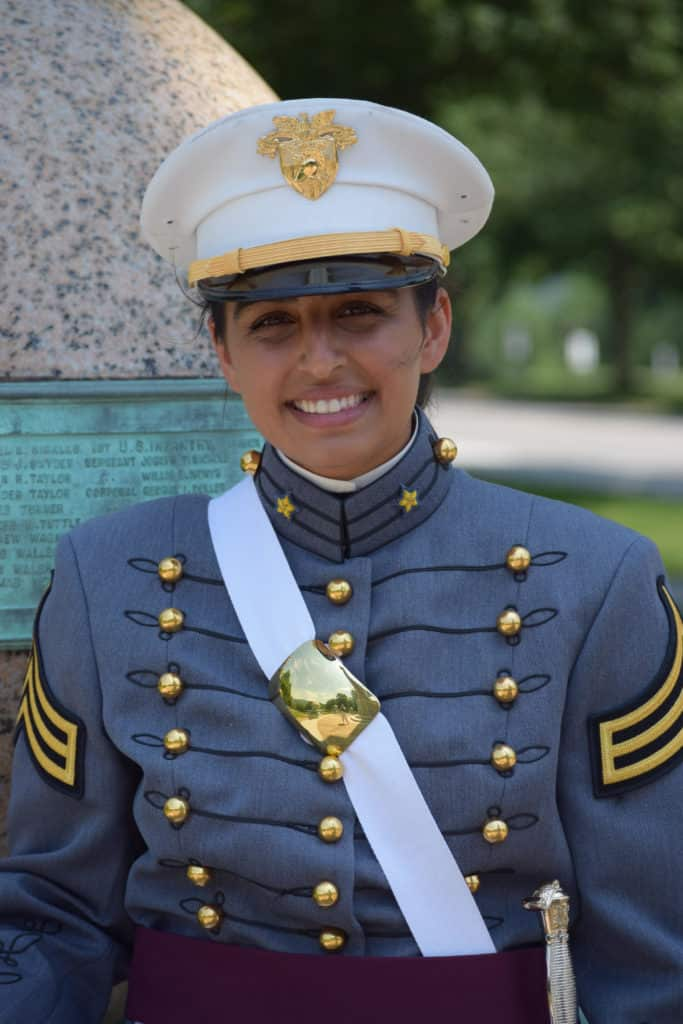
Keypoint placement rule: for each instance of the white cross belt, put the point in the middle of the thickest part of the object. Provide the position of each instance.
(419, 867)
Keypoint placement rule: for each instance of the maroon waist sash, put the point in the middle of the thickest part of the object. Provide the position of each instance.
(177, 980)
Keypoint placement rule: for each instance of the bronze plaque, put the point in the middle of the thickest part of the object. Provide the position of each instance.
(71, 450)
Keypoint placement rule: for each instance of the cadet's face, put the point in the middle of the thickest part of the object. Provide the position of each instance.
(331, 380)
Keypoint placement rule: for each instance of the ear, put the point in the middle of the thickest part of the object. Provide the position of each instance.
(223, 353)
(437, 332)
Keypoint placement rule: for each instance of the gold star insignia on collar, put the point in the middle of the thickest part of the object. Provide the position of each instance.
(286, 507)
(408, 500)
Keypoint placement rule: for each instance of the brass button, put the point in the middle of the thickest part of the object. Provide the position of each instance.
(209, 917)
(170, 569)
(518, 559)
(170, 685)
(176, 741)
(198, 874)
(473, 882)
(505, 689)
(171, 620)
(176, 810)
(326, 894)
(445, 450)
(339, 591)
(341, 642)
(330, 829)
(330, 769)
(509, 622)
(250, 461)
(495, 831)
(503, 757)
(332, 939)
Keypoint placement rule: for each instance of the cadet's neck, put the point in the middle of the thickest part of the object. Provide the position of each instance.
(348, 486)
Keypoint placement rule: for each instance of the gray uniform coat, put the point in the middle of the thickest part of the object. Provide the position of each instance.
(596, 727)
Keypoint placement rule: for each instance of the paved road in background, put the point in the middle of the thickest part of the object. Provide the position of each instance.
(578, 445)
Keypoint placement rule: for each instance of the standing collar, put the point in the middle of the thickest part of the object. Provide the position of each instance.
(349, 486)
(339, 526)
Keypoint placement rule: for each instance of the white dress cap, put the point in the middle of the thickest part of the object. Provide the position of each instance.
(303, 179)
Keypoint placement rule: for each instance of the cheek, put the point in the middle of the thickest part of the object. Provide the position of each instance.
(404, 356)
(242, 368)
(260, 382)
(225, 363)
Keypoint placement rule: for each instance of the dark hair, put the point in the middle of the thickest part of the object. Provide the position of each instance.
(425, 297)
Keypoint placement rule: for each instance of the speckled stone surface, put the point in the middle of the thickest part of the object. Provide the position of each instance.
(95, 94)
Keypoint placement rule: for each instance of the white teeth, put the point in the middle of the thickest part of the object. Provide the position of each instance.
(323, 407)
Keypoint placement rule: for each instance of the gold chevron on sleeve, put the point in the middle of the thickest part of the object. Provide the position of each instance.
(646, 739)
(55, 737)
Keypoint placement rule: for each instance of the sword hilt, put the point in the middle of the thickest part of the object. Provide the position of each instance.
(552, 903)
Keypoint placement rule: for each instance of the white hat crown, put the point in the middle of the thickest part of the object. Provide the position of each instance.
(308, 169)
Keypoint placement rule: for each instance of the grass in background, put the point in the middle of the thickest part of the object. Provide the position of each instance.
(652, 393)
(661, 519)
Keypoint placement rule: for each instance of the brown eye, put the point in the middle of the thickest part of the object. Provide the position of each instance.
(360, 309)
(270, 320)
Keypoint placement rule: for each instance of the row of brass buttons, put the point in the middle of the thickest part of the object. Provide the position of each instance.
(172, 620)
(331, 939)
(330, 769)
(445, 451)
(505, 689)
(508, 623)
(339, 591)
(210, 917)
(325, 894)
(330, 828)
(177, 811)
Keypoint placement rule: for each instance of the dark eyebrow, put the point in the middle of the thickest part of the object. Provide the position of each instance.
(387, 295)
(242, 304)
(239, 307)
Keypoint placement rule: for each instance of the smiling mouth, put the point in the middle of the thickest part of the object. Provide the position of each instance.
(326, 406)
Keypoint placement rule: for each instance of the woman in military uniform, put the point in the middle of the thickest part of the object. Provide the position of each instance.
(306, 748)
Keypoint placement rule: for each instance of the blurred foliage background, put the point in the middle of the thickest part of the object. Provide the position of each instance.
(573, 291)
(576, 108)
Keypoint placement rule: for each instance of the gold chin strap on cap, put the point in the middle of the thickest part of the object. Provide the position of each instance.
(357, 243)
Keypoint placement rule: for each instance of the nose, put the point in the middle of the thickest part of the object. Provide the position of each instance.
(322, 353)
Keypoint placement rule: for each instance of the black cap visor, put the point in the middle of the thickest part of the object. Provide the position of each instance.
(326, 276)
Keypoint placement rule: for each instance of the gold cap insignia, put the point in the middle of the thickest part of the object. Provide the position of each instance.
(308, 148)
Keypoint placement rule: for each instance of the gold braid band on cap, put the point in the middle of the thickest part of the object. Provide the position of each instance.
(357, 243)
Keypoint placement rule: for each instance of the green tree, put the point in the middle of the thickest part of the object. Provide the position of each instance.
(575, 107)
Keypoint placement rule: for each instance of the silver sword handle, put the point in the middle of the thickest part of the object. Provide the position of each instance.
(552, 903)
